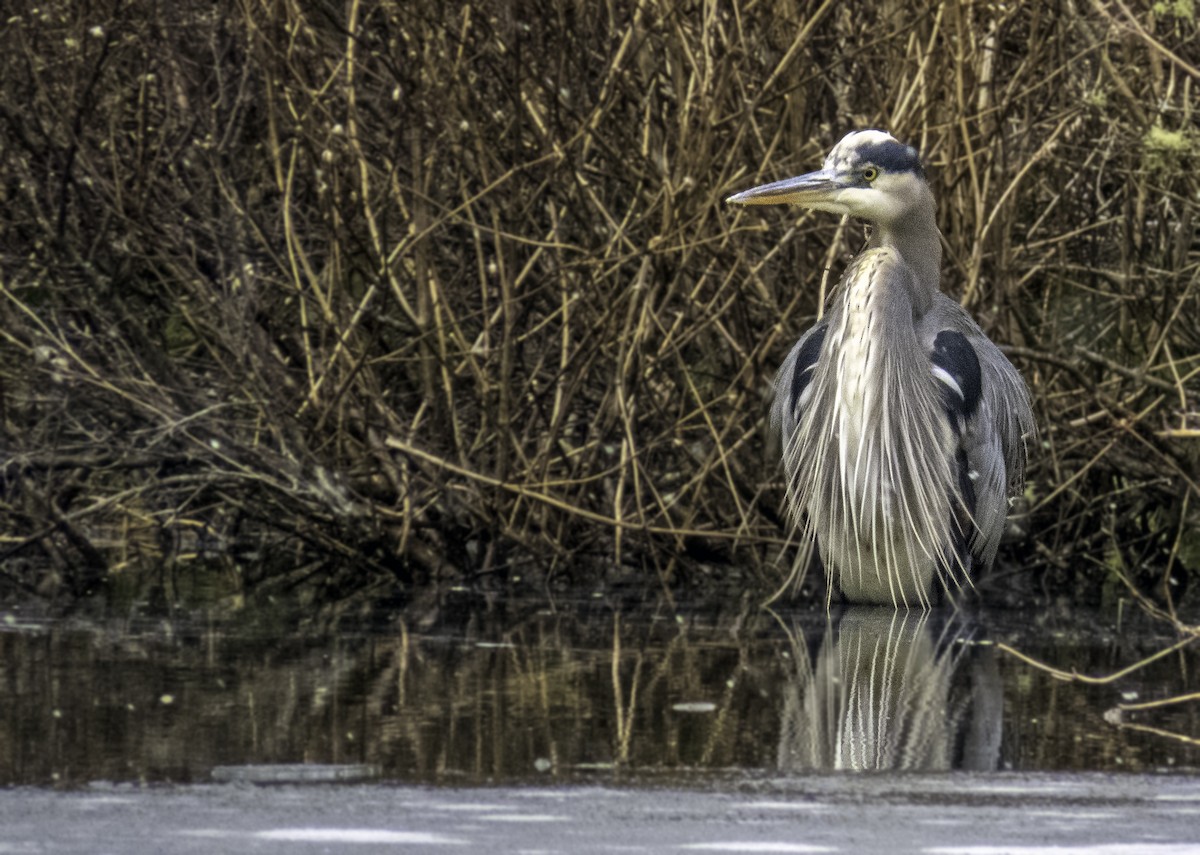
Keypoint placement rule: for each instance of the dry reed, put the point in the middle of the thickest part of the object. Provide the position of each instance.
(430, 290)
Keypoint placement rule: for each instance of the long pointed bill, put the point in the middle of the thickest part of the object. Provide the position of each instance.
(816, 189)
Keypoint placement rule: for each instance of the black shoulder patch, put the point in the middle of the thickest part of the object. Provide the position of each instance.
(806, 361)
(892, 156)
(953, 354)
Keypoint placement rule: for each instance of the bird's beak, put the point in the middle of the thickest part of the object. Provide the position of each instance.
(814, 190)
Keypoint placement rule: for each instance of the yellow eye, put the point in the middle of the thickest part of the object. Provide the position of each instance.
(870, 173)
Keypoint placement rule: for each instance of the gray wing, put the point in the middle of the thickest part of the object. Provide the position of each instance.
(792, 382)
(994, 436)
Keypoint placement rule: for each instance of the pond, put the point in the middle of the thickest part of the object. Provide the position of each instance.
(486, 691)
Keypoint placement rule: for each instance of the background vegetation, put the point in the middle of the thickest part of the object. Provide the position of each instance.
(370, 291)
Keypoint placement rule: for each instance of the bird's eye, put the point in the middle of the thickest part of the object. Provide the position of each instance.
(870, 173)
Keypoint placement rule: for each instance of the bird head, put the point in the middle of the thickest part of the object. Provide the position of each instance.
(869, 174)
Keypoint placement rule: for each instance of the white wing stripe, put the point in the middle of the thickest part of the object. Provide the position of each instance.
(944, 376)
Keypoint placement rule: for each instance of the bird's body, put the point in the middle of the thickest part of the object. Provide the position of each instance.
(901, 422)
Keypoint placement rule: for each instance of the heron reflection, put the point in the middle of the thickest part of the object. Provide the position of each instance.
(886, 692)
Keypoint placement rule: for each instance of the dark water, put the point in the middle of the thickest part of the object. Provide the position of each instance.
(508, 692)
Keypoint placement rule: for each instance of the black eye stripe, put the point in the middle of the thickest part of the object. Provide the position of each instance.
(890, 155)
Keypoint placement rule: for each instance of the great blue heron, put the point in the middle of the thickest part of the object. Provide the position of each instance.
(902, 425)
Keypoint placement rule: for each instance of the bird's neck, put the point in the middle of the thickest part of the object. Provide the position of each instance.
(919, 242)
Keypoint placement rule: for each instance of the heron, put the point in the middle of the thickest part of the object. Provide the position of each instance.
(902, 426)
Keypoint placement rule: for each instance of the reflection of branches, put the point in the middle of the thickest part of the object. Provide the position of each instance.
(1161, 702)
(1116, 715)
(1074, 677)
(1154, 731)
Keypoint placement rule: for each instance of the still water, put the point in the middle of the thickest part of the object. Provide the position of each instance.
(474, 691)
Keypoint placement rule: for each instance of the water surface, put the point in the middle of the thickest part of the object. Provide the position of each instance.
(487, 692)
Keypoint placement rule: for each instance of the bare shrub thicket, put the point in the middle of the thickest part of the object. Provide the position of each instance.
(374, 290)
